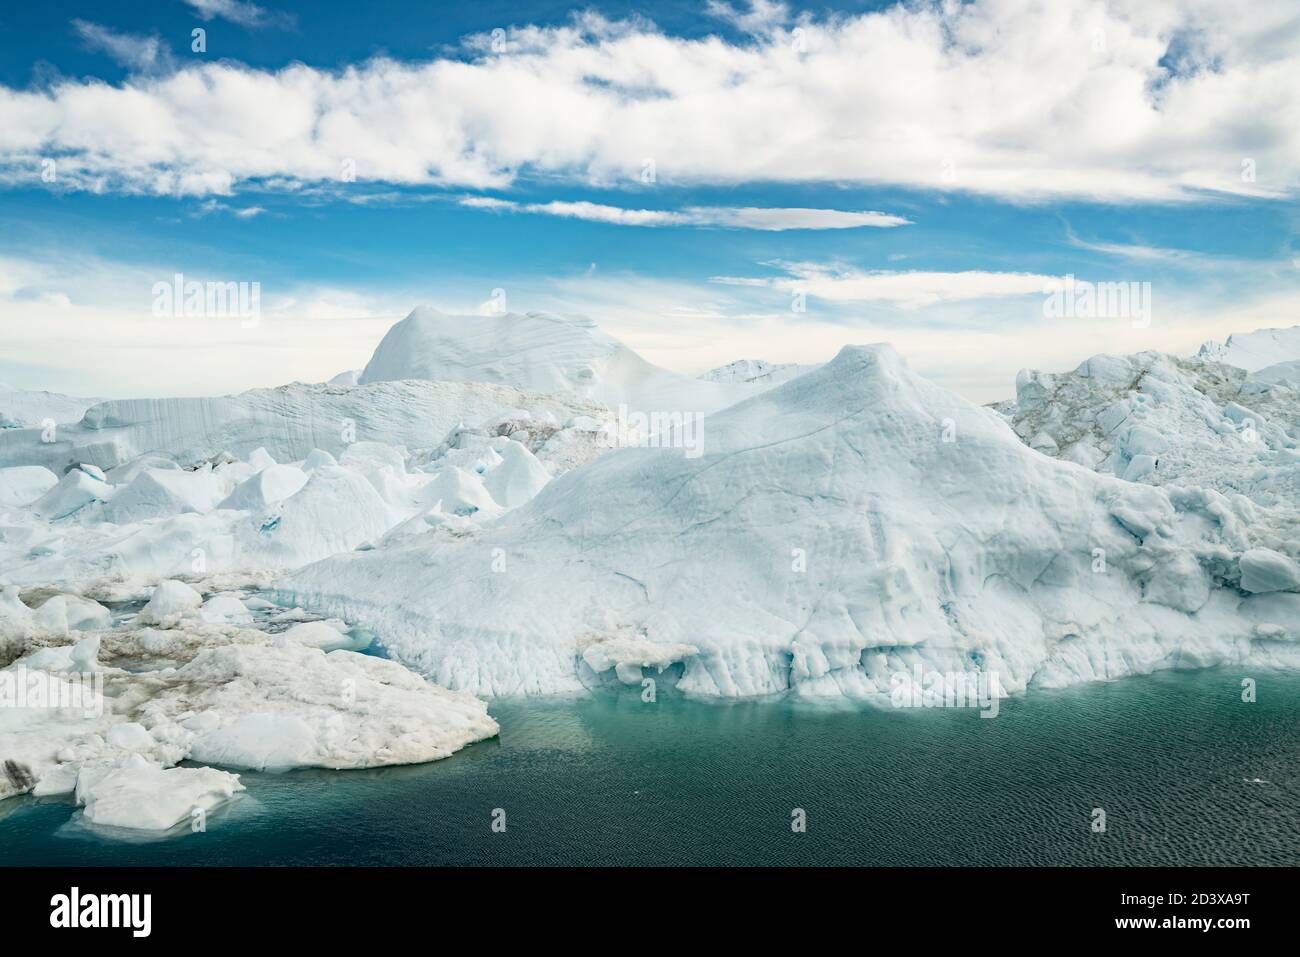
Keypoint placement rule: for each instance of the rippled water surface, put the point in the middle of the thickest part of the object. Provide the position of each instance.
(1186, 772)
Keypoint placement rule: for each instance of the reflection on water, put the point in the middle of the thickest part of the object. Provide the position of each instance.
(1186, 772)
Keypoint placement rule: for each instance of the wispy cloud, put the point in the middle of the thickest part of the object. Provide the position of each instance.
(245, 14)
(239, 212)
(911, 289)
(770, 219)
(139, 53)
(761, 17)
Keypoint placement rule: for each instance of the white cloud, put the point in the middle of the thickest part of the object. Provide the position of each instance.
(1011, 98)
(131, 51)
(909, 289)
(732, 217)
(762, 16)
(245, 14)
(239, 212)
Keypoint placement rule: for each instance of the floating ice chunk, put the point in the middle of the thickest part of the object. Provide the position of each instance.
(64, 613)
(225, 608)
(1264, 570)
(24, 484)
(142, 795)
(171, 601)
(326, 635)
(285, 705)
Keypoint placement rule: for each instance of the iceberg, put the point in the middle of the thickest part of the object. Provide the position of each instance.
(538, 352)
(837, 529)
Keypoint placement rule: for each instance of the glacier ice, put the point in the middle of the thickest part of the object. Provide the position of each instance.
(976, 553)
(216, 694)
(1161, 420)
(538, 352)
(469, 500)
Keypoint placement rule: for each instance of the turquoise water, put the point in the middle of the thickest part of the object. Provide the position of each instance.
(1173, 759)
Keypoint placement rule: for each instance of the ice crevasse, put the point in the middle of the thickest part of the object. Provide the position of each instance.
(841, 528)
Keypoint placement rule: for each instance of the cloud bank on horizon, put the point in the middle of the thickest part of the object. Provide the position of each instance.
(918, 172)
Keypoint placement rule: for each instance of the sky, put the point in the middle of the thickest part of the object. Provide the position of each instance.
(709, 181)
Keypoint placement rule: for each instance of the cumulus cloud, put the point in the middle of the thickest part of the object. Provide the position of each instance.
(909, 289)
(1157, 101)
(770, 219)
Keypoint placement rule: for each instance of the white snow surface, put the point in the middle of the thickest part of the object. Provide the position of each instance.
(146, 524)
(757, 372)
(289, 422)
(539, 352)
(1280, 373)
(23, 409)
(970, 554)
(1255, 350)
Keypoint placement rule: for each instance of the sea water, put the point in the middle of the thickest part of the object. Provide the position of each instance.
(1185, 771)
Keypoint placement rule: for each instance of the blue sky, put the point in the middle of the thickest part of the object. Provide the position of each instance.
(1105, 146)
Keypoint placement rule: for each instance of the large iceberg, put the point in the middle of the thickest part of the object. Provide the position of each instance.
(848, 525)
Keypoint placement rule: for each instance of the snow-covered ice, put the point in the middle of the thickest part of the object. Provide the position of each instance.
(1256, 350)
(470, 501)
(1161, 420)
(976, 553)
(139, 699)
(538, 352)
(757, 372)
